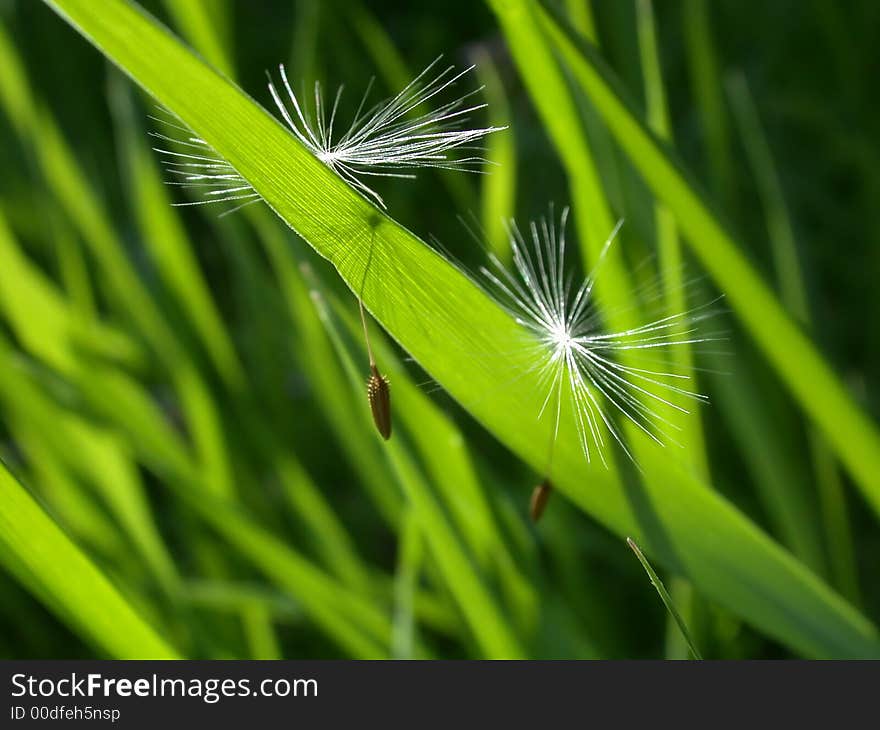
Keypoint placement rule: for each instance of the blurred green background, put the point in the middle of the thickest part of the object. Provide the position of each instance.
(232, 498)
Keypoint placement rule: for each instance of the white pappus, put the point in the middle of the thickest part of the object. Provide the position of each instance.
(388, 139)
(400, 133)
(579, 361)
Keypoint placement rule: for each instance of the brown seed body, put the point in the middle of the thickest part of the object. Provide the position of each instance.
(538, 501)
(380, 401)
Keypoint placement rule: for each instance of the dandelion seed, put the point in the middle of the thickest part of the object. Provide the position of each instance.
(395, 135)
(200, 167)
(538, 501)
(580, 364)
(385, 140)
(378, 392)
(208, 170)
(380, 401)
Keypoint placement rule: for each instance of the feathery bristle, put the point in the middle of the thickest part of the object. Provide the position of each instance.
(201, 168)
(396, 134)
(575, 358)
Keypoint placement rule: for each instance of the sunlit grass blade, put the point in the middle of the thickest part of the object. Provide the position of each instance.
(780, 486)
(488, 623)
(671, 265)
(498, 194)
(44, 559)
(166, 239)
(96, 457)
(692, 530)
(206, 23)
(548, 88)
(319, 363)
(799, 364)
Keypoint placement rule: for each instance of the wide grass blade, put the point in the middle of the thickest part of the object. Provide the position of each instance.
(483, 613)
(468, 347)
(800, 366)
(50, 565)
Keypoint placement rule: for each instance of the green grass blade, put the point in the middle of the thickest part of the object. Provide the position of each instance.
(668, 245)
(43, 320)
(476, 603)
(675, 294)
(800, 366)
(409, 561)
(232, 597)
(70, 187)
(468, 350)
(260, 633)
(779, 227)
(498, 196)
(96, 457)
(198, 20)
(44, 559)
(354, 622)
(166, 239)
(206, 430)
(318, 361)
(779, 476)
(333, 541)
(705, 76)
(666, 598)
(561, 118)
(580, 15)
(73, 271)
(780, 232)
(65, 497)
